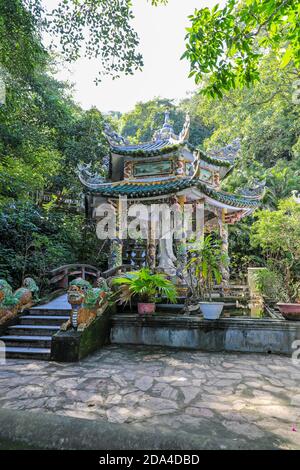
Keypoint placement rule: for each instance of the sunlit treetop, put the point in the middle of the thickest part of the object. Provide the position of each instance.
(227, 44)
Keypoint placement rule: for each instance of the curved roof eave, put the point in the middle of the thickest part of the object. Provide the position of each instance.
(143, 189)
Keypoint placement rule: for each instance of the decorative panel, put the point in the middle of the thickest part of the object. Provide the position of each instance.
(205, 175)
(161, 167)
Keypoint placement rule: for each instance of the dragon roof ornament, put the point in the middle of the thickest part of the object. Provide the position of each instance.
(227, 153)
(296, 196)
(113, 137)
(89, 178)
(255, 191)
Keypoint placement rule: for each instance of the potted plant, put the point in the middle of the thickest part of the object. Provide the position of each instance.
(204, 271)
(148, 287)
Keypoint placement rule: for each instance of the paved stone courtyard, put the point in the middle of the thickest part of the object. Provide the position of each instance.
(251, 400)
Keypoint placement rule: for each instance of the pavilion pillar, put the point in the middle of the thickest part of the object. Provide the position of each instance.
(151, 252)
(116, 245)
(223, 227)
(115, 258)
(181, 226)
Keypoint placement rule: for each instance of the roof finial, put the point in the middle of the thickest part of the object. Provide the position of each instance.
(167, 116)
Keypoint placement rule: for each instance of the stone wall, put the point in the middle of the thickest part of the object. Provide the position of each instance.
(228, 334)
(73, 345)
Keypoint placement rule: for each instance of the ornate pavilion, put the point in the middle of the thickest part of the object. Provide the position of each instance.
(167, 170)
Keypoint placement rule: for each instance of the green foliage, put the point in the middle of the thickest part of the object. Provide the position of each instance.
(34, 241)
(277, 233)
(20, 46)
(241, 253)
(203, 269)
(99, 29)
(266, 119)
(227, 43)
(146, 285)
(271, 285)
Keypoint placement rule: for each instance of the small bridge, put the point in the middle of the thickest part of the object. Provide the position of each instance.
(64, 274)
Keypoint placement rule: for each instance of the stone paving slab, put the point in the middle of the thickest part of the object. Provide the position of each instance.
(251, 400)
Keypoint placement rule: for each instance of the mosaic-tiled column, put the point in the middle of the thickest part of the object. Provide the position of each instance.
(224, 246)
(116, 245)
(115, 258)
(181, 254)
(151, 244)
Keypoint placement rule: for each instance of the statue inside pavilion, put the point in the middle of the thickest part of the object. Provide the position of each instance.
(167, 170)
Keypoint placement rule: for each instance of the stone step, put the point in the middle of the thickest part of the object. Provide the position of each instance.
(26, 341)
(32, 330)
(26, 353)
(48, 312)
(42, 319)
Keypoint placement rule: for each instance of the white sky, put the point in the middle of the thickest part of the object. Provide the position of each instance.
(161, 30)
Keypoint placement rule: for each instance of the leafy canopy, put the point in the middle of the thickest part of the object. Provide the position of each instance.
(227, 44)
(99, 29)
(278, 232)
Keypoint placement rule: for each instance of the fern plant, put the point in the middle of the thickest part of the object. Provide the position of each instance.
(144, 284)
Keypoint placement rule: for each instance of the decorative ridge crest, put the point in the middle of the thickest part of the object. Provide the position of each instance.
(229, 152)
(255, 192)
(87, 177)
(113, 137)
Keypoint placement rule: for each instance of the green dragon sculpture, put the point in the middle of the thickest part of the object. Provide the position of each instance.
(87, 302)
(12, 303)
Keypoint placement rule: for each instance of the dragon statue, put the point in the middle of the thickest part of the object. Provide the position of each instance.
(87, 302)
(12, 303)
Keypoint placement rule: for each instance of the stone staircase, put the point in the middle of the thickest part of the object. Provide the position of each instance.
(31, 337)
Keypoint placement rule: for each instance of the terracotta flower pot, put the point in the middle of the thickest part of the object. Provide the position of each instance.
(146, 308)
(290, 311)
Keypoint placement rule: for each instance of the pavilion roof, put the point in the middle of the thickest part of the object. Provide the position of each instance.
(165, 141)
(159, 147)
(142, 189)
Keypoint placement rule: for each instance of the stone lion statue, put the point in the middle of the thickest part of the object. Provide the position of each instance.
(12, 303)
(87, 302)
